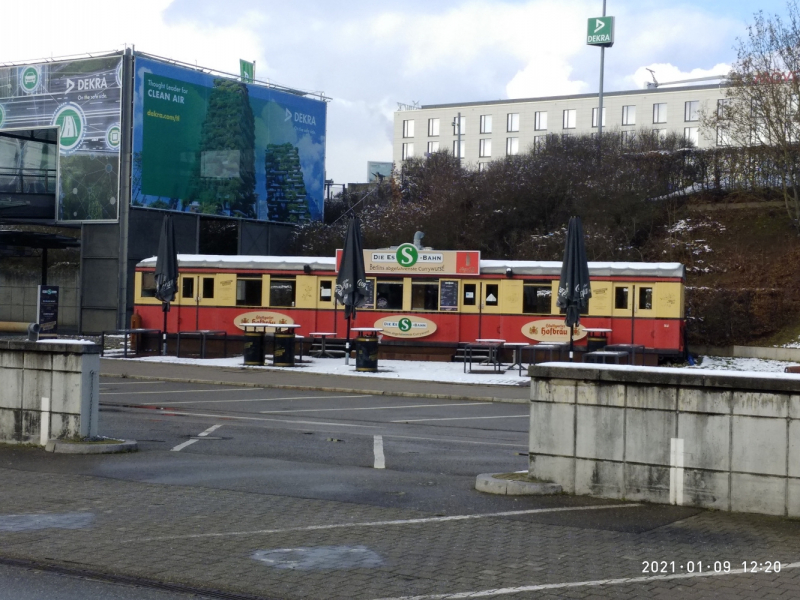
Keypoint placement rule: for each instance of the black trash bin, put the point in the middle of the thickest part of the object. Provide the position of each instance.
(254, 348)
(283, 355)
(367, 353)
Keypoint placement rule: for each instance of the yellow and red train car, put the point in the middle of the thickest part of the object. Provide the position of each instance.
(431, 305)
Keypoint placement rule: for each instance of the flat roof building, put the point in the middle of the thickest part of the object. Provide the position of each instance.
(498, 128)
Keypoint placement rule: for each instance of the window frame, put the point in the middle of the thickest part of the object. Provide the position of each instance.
(629, 114)
(540, 120)
(486, 124)
(569, 119)
(691, 108)
(512, 123)
(433, 127)
(658, 109)
(485, 148)
(408, 128)
(512, 146)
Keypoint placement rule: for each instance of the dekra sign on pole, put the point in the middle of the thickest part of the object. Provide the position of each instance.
(600, 32)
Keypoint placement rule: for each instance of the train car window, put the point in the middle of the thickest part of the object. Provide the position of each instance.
(645, 298)
(469, 294)
(248, 292)
(621, 297)
(390, 295)
(208, 287)
(325, 291)
(425, 294)
(492, 294)
(281, 292)
(536, 299)
(148, 285)
(187, 287)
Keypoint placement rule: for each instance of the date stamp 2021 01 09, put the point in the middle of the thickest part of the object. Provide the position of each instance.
(665, 567)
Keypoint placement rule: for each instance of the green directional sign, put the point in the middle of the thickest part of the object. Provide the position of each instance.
(407, 255)
(600, 32)
(29, 79)
(247, 70)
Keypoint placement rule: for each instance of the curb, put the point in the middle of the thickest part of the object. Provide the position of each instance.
(315, 388)
(61, 447)
(491, 484)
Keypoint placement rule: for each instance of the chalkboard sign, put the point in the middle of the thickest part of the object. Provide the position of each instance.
(449, 295)
(47, 308)
(369, 301)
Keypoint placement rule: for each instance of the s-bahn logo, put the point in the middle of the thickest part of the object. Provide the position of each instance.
(407, 255)
(72, 123)
(29, 79)
(406, 327)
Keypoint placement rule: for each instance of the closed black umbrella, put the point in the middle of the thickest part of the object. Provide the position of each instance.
(574, 288)
(166, 271)
(351, 283)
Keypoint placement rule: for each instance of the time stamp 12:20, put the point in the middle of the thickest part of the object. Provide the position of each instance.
(657, 567)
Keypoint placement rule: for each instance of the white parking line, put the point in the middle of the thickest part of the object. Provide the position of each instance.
(178, 392)
(377, 445)
(577, 584)
(521, 445)
(296, 410)
(460, 418)
(168, 403)
(241, 418)
(102, 383)
(510, 513)
(180, 447)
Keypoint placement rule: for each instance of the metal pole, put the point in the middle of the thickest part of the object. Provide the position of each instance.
(457, 125)
(600, 108)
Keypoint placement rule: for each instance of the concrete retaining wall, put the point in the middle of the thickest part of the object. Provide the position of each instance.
(787, 354)
(48, 390)
(729, 441)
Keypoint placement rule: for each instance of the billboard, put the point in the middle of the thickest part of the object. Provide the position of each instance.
(81, 98)
(214, 145)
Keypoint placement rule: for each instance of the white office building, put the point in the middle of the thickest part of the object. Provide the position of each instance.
(494, 129)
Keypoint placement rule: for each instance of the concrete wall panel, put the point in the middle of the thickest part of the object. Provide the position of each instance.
(647, 482)
(653, 397)
(755, 493)
(648, 434)
(706, 440)
(759, 445)
(704, 401)
(600, 432)
(599, 478)
(552, 429)
(705, 489)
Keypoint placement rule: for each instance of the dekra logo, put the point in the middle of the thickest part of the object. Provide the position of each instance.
(300, 118)
(90, 83)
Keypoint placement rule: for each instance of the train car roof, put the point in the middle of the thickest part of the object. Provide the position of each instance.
(596, 269)
(490, 267)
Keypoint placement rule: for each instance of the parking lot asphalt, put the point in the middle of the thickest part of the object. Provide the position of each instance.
(262, 485)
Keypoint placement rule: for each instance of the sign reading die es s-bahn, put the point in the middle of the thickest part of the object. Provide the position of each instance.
(600, 32)
(408, 259)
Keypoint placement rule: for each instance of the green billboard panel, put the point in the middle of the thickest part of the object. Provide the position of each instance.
(600, 31)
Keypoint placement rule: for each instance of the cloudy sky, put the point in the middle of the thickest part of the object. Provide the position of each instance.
(368, 56)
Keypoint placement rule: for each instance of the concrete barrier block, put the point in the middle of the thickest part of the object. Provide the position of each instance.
(759, 445)
(706, 441)
(759, 494)
(705, 489)
(552, 428)
(600, 432)
(11, 385)
(647, 482)
(648, 434)
(600, 394)
(42, 361)
(553, 390)
(31, 423)
(65, 396)
(11, 360)
(794, 406)
(761, 404)
(67, 362)
(652, 397)
(64, 426)
(558, 469)
(599, 478)
(794, 448)
(793, 498)
(35, 384)
(8, 428)
(704, 401)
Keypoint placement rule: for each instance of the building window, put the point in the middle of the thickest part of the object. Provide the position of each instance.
(691, 110)
(248, 291)
(459, 151)
(456, 125)
(408, 151)
(723, 136)
(536, 299)
(425, 294)
(281, 292)
(486, 123)
(539, 142)
(512, 122)
(660, 113)
(485, 148)
(433, 147)
(629, 115)
(660, 134)
(390, 295)
(627, 137)
(690, 134)
(482, 166)
(570, 117)
(594, 116)
(512, 146)
(408, 129)
(540, 121)
(433, 127)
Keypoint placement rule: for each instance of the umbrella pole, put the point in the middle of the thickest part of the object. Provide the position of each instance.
(347, 344)
(571, 328)
(164, 308)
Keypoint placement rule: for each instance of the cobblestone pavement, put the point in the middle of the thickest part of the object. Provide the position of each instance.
(281, 547)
